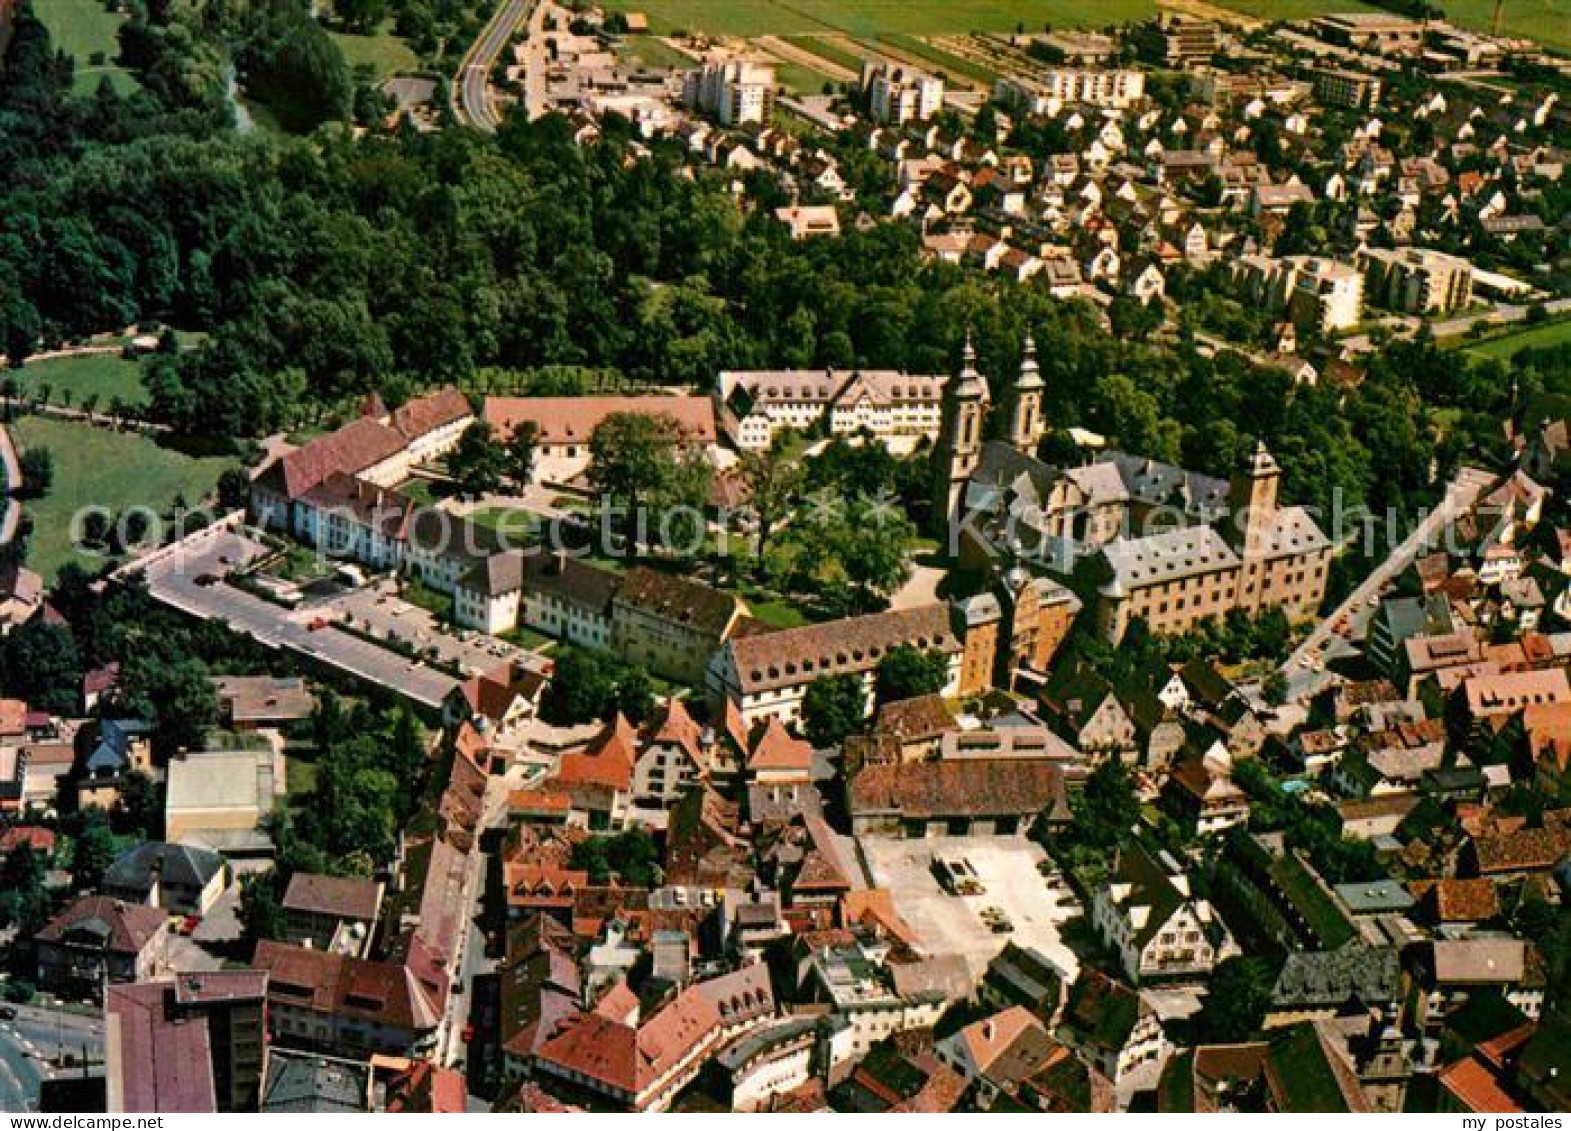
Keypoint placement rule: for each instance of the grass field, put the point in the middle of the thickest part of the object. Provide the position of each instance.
(94, 466)
(802, 80)
(1545, 20)
(385, 54)
(834, 52)
(1509, 345)
(871, 17)
(1548, 21)
(940, 59)
(654, 53)
(105, 376)
(82, 28)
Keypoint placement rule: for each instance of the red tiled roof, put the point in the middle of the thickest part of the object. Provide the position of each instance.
(976, 787)
(347, 897)
(777, 751)
(630, 1059)
(383, 992)
(925, 716)
(160, 1064)
(1460, 900)
(41, 840)
(1475, 1088)
(13, 717)
(360, 444)
(423, 1088)
(1522, 850)
(573, 420)
(127, 928)
(608, 761)
(428, 413)
(676, 727)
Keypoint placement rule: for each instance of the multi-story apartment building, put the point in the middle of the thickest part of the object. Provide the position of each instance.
(887, 403)
(1052, 90)
(897, 94)
(1184, 39)
(766, 676)
(1416, 280)
(1315, 292)
(194, 1044)
(734, 92)
(345, 1006)
(1353, 90)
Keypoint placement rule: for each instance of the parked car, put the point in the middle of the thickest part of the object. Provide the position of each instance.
(957, 876)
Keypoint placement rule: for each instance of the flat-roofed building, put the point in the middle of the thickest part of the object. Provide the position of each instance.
(1050, 91)
(897, 94)
(731, 91)
(222, 799)
(1416, 280)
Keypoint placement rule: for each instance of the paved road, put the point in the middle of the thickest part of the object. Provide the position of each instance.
(474, 96)
(172, 579)
(1501, 314)
(13, 480)
(30, 1048)
(1304, 680)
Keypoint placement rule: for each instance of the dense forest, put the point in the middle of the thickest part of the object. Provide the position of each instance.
(329, 262)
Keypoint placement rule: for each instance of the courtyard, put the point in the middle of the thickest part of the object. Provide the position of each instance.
(1007, 868)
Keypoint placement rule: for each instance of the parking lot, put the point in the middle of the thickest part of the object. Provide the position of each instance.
(376, 608)
(183, 576)
(953, 924)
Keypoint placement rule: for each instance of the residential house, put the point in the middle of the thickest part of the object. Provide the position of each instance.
(331, 913)
(99, 939)
(1114, 1027)
(183, 879)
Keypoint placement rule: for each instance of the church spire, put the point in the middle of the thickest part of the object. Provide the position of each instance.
(959, 438)
(1026, 424)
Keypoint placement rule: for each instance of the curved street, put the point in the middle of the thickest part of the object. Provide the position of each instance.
(13, 486)
(32, 1044)
(473, 102)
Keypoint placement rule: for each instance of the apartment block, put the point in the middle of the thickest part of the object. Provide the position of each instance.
(1416, 280)
(898, 94)
(733, 92)
(1045, 94)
